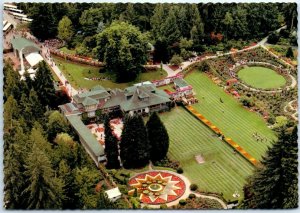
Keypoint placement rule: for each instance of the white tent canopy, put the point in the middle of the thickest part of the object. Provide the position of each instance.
(34, 58)
(113, 194)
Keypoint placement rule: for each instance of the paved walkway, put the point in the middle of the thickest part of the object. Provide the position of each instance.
(70, 90)
(186, 193)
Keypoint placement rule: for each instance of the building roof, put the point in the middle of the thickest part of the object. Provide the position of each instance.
(95, 94)
(86, 135)
(180, 82)
(34, 58)
(132, 98)
(19, 43)
(112, 193)
(89, 101)
(134, 102)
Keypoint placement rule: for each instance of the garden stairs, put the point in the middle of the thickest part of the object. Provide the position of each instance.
(227, 140)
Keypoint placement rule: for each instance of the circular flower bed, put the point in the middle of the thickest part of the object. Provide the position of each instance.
(157, 187)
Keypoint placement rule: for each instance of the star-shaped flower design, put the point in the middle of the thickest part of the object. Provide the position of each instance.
(157, 187)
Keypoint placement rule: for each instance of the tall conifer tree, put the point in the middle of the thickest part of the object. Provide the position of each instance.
(111, 147)
(158, 138)
(275, 184)
(134, 144)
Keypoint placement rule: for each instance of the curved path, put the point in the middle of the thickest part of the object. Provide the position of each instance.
(289, 104)
(212, 198)
(186, 193)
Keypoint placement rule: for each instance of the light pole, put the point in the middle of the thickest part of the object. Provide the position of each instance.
(21, 58)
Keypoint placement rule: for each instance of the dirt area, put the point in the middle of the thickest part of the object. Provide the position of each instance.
(199, 159)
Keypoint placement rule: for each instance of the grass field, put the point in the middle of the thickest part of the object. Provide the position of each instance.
(223, 171)
(75, 73)
(230, 117)
(261, 77)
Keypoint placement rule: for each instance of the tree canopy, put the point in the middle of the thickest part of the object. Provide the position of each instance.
(158, 138)
(123, 49)
(275, 184)
(65, 29)
(134, 146)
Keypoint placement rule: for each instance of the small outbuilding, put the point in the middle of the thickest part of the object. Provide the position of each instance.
(113, 194)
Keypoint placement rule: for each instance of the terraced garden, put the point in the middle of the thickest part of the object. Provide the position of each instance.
(223, 170)
(230, 117)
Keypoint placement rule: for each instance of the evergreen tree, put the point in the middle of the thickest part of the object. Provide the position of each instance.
(44, 85)
(11, 112)
(56, 124)
(158, 138)
(134, 146)
(170, 30)
(111, 147)
(275, 184)
(13, 178)
(157, 20)
(104, 202)
(44, 190)
(65, 173)
(85, 182)
(43, 25)
(290, 53)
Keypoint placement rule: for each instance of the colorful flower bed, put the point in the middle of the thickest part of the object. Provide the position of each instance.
(157, 187)
(228, 140)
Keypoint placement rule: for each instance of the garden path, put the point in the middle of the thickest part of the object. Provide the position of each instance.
(289, 104)
(185, 64)
(212, 198)
(70, 90)
(186, 193)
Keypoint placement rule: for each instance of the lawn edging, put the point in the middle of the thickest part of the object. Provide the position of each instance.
(229, 141)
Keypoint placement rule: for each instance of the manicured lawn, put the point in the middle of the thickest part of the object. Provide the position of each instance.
(230, 117)
(223, 171)
(261, 77)
(76, 74)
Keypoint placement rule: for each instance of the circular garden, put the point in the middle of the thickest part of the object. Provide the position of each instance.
(261, 77)
(157, 187)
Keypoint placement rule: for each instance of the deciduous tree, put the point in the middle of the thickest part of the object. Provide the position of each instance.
(123, 48)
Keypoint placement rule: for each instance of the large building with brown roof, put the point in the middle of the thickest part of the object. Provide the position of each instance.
(142, 99)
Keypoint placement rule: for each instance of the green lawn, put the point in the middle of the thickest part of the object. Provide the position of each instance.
(261, 77)
(235, 122)
(223, 171)
(76, 74)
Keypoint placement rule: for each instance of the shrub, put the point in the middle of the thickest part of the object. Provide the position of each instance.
(182, 202)
(179, 170)
(163, 206)
(123, 189)
(191, 196)
(289, 53)
(273, 38)
(176, 60)
(193, 187)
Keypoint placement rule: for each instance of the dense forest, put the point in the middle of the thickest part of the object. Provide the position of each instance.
(171, 28)
(45, 167)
